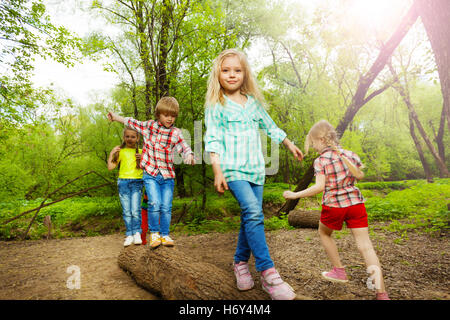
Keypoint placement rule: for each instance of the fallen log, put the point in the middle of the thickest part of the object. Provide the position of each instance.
(173, 275)
(304, 219)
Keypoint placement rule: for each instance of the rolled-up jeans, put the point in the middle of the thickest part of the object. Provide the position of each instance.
(252, 238)
(130, 192)
(160, 196)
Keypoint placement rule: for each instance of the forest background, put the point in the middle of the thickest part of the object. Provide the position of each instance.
(309, 58)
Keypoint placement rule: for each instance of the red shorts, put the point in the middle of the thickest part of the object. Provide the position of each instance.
(354, 216)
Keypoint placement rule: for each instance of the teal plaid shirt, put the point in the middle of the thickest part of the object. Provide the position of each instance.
(232, 132)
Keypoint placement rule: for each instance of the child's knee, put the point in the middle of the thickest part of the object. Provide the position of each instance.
(364, 246)
(154, 205)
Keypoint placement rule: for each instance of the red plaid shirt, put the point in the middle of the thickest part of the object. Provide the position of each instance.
(339, 182)
(159, 143)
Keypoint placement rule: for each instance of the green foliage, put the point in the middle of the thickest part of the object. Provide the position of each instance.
(383, 185)
(71, 217)
(422, 206)
(26, 32)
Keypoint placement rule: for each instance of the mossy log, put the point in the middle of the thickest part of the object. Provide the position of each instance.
(304, 219)
(173, 275)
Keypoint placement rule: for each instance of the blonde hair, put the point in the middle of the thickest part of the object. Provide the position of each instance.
(322, 130)
(215, 92)
(167, 105)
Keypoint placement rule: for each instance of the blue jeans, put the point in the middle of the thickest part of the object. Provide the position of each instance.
(130, 192)
(160, 196)
(252, 238)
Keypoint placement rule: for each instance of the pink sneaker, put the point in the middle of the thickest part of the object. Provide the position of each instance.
(275, 287)
(382, 296)
(244, 280)
(336, 275)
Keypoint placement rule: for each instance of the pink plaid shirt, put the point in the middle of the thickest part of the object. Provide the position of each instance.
(340, 190)
(159, 143)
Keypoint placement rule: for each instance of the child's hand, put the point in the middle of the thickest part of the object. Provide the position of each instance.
(111, 116)
(220, 183)
(115, 149)
(295, 151)
(289, 195)
(190, 160)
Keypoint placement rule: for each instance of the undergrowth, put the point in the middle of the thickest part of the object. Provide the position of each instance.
(404, 205)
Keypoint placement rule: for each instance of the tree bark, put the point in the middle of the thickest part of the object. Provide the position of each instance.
(426, 167)
(403, 91)
(359, 98)
(435, 15)
(173, 275)
(304, 219)
(440, 135)
(142, 21)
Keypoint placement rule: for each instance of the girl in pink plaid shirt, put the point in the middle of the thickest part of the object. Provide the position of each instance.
(336, 172)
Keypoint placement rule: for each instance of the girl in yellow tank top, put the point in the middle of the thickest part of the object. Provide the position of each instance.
(127, 156)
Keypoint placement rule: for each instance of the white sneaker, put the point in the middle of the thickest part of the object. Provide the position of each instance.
(128, 241)
(137, 238)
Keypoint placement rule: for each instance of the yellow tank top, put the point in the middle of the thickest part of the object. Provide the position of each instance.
(127, 161)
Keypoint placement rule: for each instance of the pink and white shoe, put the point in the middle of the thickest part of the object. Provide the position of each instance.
(382, 296)
(336, 275)
(275, 287)
(244, 280)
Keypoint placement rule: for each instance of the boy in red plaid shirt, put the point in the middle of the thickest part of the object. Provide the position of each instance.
(336, 172)
(161, 138)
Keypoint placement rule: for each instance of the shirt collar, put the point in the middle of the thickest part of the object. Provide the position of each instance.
(237, 104)
(162, 126)
(328, 149)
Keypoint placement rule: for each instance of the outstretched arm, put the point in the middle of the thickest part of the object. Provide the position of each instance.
(111, 163)
(293, 148)
(354, 170)
(115, 117)
(311, 191)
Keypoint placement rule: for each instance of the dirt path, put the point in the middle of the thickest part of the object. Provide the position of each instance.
(418, 268)
(38, 270)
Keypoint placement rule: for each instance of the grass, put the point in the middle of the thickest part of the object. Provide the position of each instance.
(405, 205)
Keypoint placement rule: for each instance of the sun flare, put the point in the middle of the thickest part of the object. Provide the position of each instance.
(379, 16)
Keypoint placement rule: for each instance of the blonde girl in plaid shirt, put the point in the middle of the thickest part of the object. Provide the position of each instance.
(336, 171)
(233, 115)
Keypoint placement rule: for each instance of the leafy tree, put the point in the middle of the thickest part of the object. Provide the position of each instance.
(26, 32)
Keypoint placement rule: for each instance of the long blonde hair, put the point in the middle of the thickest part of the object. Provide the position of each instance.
(322, 129)
(215, 92)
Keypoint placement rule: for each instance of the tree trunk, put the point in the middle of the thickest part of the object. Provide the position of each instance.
(173, 275)
(302, 185)
(439, 137)
(403, 91)
(359, 99)
(304, 219)
(161, 69)
(364, 83)
(179, 177)
(144, 52)
(426, 167)
(435, 15)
